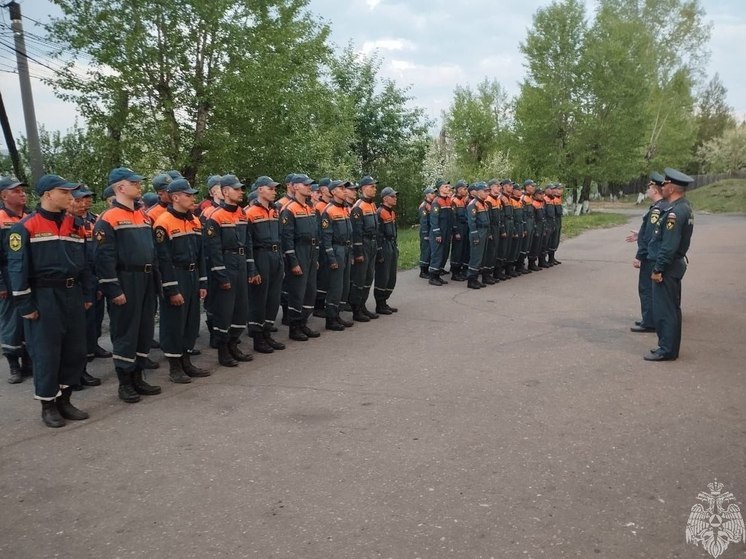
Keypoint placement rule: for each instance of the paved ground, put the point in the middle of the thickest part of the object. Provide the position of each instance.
(513, 421)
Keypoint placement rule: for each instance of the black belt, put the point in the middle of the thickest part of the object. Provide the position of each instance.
(188, 267)
(273, 248)
(53, 282)
(241, 251)
(312, 242)
(143, 268)
(344, 244)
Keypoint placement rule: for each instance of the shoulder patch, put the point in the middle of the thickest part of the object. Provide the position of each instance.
(210, 231)
(325, 223)
(14, 241)
(670, 224)
(160, 235)
(100, 237)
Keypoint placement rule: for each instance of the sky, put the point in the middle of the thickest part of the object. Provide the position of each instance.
(428, 46)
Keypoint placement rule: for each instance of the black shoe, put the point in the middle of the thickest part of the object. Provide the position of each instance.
(382, 309)
(237, 354)
(345, 323)
(193, 351)
(150, 364)
(424, 275)
(67, 410)
(192, 370)
(101, 353)
(472, 283)
(260, 343)
(176, 372)
(142, 387)
(87, 380)
(543, 264)
(394, 309)
(487, 279)
(297, 334)
(435, 280)
(50, 415)
(319, 313)
(334, 324)
(638, 322)
(154, 345)
(126, 391)
(16, 373)
(359, 316)
(274, 344)
(641, 329)
(440, 277)
(657, 357)
(533, 267)
(224, 356)
(309, 332)
(369, 314)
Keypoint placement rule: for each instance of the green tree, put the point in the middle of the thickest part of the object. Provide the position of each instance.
(725, 154)
(714, 115)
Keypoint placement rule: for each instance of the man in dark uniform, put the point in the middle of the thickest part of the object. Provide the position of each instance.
(507, 233)
(477, 213)
(13, 194)
(388, 252)
(178, 242)
(280, 204)
(492, 267)
(53, 287)
(460, 248)
(519, 229)
(364, 249)
(550, 212)
(232, 268)
(668, 246)
(558, 210)
(442, 225)
(336, 243)
(424, 213)
(160, 186)
(264, 295)
(214, 196)
(299, 232)
(528, 218)
(322, 276)
(641, 261)
(126, 265)
(537, 242)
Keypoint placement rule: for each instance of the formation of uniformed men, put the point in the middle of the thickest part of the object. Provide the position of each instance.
(493, 231)
(662, 244)
(62, 266)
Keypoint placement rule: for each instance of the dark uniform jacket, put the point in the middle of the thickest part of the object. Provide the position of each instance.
(671, 238)
(299, 226)
(264, 226)
(649, 221)
(424, 211)
(227, 243)
(178, 241)
(364, 224)
(8, 219)
(336, 229)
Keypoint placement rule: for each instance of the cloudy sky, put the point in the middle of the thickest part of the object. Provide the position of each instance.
(430, 46)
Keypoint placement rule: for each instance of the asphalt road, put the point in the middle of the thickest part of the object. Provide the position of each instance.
(514, 421)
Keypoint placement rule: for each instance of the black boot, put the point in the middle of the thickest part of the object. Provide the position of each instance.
(501, 273)
(192, 370)
(359, 316)
(176, 371)
(333, 324)
(86, 379)
(345, 323)
(472, 283)
(424, 273)
(126, 390)
(381, 308)
(309, 331)
(369, 314)
(394, 309)
(435, 279)
(150, 364)
(236, 353)
(510, 270)
(543, 261)
(552, 260)
(101, 353)
(224, 356)
(532, 265)
(260, 343)
(487, 279)
(441, 273)
(296, 333)
(271, 342)
(16, 374)
(66, 409)
(50, 415)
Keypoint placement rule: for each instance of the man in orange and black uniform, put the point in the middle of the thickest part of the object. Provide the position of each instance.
(280, 204)
(126, 264)
(53, 287)
(550, 210)
(460, 249)
(364, 249)
(442, 226)
(492, 271)
(535, 254)
(178, 242)
(388, 252)
(477, 213)
(528, 217)
(555, 240)
(160, 186)
(264, 232)
(215, 196)
(336, 243)
(13, 193)
(424, 214)
(519, 229)
(322, 276)
(232, 267)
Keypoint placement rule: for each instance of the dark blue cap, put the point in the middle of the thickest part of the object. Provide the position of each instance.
(108, 192)
(493, 182)
(351, 185)
(528, 182)
(253, 194)
(677, 177)
(82, 192)
(264, 181)
(123, 174)
(460, 183)
(181, 185)
(388, 191)
(214, 180)
(50, 182)
(326, 181)
(657, 178)
(289, 178)
(479, 186)
(441, 182)
(367, 180)
(150, 199)
(429, 190)
(505, 182)
(174, 174)
(303, 179)
(314, 186)
(6, 183)
(161, 182)
(231, 180)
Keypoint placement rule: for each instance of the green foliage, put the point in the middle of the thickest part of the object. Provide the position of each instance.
(725, 154)
(724, 196)
(714, 115)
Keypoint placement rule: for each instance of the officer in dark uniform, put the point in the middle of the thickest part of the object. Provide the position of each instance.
(540, 221)
(477, 213)
(336, 243)
(519, 229)
(264, 295)
(388, 252)
(527, 200)
(288, 197)
(13, 194)
(668, 246)
(442, 224)
(178, 242)
(364, 249)
(52, 286)
(424, 214)
(492, 267)
(507, 232)
(558, 210)
(126, 265)
(460, 248)
(299, 234)
(645, 264)
(232, 268)
(550, 228)
(82, 199)
(322, 276)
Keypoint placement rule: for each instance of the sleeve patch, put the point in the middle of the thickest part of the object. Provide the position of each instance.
(160, 235)
(15, 242)
(100, 237)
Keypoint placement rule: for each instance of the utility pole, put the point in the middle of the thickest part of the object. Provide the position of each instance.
(29, 114)
(12, 150)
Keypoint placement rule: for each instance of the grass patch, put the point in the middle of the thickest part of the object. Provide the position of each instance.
(409, 240)
(721, 197)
